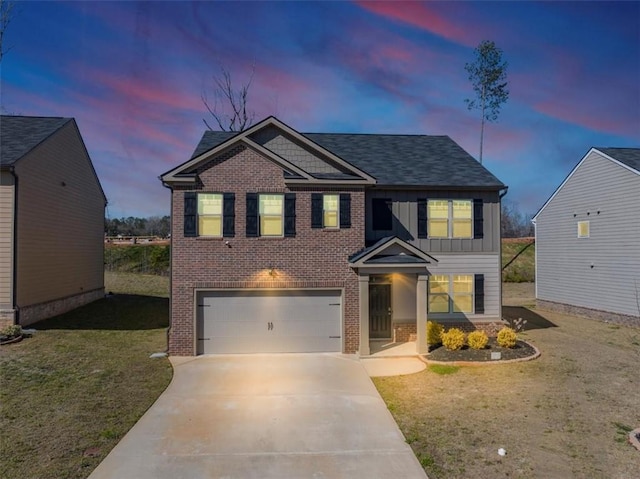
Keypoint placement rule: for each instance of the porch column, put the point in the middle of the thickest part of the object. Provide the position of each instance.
(363, 283)
(421, 314)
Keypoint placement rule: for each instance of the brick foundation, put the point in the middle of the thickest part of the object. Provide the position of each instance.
(604, 316)
(404, 332)
(38, 312)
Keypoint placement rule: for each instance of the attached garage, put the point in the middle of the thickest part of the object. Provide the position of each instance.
(269, 321)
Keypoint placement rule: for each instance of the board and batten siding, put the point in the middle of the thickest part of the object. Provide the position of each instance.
(60, 221)
(486, 264)
(601, 272)
(7, 191)
(404, 205)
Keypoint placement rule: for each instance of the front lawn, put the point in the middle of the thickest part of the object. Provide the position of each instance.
(566, 414)
(70, 393)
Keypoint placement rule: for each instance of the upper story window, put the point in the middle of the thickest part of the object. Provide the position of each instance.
(382, 216)
(209, 214)
(450, 218)
(583, 229)
(271, 210)
(330, 211)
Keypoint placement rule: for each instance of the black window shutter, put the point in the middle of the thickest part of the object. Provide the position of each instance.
(316, 210)
(228, 215)
(252, 215)
(478, 219)
(382, 216)
(190, 213)
(345, 210)
(479, 293)
(422, 218)
(289, 215)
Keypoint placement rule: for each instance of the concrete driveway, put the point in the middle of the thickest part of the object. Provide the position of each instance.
(265, 416)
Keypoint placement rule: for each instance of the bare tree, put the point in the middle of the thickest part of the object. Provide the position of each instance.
(6, 14)
(488, 75)
(229, 108)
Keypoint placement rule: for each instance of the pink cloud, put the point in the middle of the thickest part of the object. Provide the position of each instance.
(423, 16)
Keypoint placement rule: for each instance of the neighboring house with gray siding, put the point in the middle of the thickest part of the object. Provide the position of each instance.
(297, 242)
(588, 239)
(51, 220)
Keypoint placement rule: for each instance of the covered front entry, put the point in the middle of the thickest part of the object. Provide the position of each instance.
(392, 276)
(269, 321)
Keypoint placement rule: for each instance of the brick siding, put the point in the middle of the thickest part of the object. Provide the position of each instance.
(314, 258)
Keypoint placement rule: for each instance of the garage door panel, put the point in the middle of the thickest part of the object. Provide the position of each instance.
(269, 321)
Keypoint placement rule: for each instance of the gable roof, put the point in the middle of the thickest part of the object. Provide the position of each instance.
(628, 158)
(390, 160)
(390, 251)
(21, 134)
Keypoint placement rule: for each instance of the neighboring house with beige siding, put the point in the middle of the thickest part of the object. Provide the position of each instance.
(51, 220)
(588, 239)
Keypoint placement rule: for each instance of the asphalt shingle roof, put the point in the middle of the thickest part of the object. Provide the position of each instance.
(628, 156)
(395, 160)
(21, 134)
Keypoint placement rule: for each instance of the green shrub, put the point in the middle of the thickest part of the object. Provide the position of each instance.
(13, 330)
(434, 333)
(507, 337)
(477, 339)
(453, 339)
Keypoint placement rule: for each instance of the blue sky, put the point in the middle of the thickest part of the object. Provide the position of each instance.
(132, 74)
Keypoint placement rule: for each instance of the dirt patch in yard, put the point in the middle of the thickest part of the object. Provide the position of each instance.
(566, 414)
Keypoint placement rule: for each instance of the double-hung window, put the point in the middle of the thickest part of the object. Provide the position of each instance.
(271, 211)
(450, 218)
(210, 214)
(451, 293)
(330, 211)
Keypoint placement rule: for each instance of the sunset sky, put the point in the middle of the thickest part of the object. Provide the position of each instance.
(132, 74)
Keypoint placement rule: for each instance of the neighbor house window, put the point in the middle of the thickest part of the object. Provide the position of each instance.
(583, 229)
(209, 214)
(450, 218)
(270, 209)
(330, 211)
(451, 293)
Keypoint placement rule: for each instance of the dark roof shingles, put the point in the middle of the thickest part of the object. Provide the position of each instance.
(628, 156)
(394, 160)
(21, 134)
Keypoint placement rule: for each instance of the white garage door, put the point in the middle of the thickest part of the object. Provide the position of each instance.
(269, 321)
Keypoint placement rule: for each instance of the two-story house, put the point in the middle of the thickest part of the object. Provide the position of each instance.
(291, 242)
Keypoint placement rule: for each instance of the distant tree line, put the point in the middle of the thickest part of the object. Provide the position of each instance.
(513, 223)
(131, 226)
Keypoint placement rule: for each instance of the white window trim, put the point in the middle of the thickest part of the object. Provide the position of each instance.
(260, 216)
(449, 219)
(451, 295)
(337, 226)
(588, 229)
(198, 215)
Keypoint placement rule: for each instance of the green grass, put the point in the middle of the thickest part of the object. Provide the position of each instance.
(443, 369)
(523, 269)
(145, 258)
(72, 391)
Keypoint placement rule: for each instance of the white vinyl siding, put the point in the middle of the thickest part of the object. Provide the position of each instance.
(7, 191)
(60, 221)
(603, 272)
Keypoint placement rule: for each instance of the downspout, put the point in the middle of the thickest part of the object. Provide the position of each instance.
(501, 194)
(170, 260)
(14, 239)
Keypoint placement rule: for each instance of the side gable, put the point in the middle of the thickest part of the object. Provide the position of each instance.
(21, 134)
(631, 155)
(302, 161)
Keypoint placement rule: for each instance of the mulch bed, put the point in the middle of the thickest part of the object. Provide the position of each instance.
(520, 351)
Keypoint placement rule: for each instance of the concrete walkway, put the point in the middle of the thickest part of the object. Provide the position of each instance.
(265, 416)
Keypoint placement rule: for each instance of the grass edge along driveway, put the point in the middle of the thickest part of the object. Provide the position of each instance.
(74, 389)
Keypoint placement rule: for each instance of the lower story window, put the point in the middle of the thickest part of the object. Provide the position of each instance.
(451, 293)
